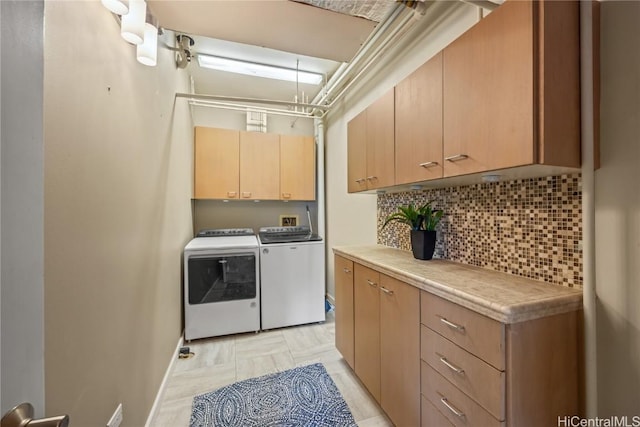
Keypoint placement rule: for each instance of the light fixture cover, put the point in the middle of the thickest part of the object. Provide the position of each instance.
(119, 7)
(132, 26)
(258, 70)
(147, 52)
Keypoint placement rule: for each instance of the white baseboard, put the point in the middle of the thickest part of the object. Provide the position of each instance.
(160, 394)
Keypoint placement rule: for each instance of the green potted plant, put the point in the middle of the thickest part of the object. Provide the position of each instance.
(423, 221)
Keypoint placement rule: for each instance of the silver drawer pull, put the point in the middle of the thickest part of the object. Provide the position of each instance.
(346, 270)
(450, 365)
(455, 411)
(361, 180)
(456, 157)
(386, 291)
(374, 284)
(428, 164)
(452, 325)
(371, 178)
(222, 261)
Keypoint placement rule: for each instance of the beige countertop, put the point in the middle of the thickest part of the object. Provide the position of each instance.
(500, 296)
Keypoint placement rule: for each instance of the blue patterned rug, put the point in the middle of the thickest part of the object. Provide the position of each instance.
(304, 396)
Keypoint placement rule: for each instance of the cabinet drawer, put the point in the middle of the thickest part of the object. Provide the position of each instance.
(477, 379)
(474, 332)
(431, 417)
(454, 404)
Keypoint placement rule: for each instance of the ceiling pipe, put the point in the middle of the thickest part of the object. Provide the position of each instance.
(196, 97)
(381, 50)
(365, 58)
(246, 107)
(340, 75)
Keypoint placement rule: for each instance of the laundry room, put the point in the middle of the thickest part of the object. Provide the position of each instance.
(456, 178)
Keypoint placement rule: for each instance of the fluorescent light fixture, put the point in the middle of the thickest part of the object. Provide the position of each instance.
(147, 52)
(258, 70)
(132, 24)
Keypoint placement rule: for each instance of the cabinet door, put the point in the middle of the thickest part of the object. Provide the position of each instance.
(400, 351)
(357, 153)
(216, 163)
(367, 327)
(489, 93)
(344, 308)
(380, 142)
(259, 166)
(419, 124)
(297, 167)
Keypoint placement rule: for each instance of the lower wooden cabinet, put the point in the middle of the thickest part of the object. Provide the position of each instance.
(479, 372)
(344, 308)
(366, 295)
(431, 362)
(400, 351)
(387, 343)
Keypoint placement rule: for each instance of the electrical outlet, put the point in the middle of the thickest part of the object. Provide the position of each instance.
(116, 418)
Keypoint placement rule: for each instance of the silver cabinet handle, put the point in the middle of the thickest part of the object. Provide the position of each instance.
(452, 408)
(450, 365)
(222, 261)
(346, 270)
(371, 178)
(386, 291)
(231, 193)
(246, 194)
(452, 325)
(456, 157)
(374, 284)
(428, 164)
(361, 180)
(286, 195)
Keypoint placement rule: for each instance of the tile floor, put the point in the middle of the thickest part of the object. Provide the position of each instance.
(224, 360)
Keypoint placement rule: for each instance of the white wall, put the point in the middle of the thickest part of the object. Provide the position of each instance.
(351, 218)
(22, 333)
(617, 213)
(118, 184)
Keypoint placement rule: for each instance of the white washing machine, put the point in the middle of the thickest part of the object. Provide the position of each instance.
(292, 276)
(221, 283)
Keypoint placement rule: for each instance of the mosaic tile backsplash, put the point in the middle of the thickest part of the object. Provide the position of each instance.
(528, 227)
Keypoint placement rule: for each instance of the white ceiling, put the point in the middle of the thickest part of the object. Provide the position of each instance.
(309, 35)
(286, 33)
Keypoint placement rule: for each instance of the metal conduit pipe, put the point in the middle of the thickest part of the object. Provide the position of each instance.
(340, 75)
(408, 22)
(245, 107)
(196, 97)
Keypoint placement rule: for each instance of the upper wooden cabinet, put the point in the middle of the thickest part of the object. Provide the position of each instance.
(297, 167)
(217, 163)
(232, 164)
(259, 165)
(418, 126)
(357, 153)
(380, 142)
(371, 147)
(511, 90)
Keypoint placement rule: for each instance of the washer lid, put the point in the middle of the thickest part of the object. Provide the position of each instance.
(225, 242)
